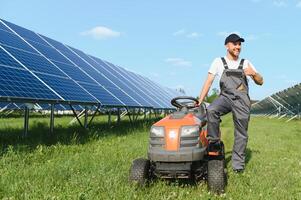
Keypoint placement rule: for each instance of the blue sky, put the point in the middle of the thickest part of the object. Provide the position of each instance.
(173, 42)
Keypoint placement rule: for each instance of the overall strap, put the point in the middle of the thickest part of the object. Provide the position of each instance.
(225, 63)
(241, 64)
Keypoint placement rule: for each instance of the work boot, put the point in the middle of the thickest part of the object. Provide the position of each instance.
(215, 147)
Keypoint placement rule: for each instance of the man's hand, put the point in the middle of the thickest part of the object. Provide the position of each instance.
(249, 71)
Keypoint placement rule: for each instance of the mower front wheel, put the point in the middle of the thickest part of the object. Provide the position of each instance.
(216, 175)
(140, 171)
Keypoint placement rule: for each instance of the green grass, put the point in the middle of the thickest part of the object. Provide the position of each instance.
(78, 164)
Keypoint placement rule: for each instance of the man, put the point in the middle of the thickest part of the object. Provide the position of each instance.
(234, 97)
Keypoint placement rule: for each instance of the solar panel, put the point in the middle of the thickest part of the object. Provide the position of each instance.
(124, 84)
(45, 70)
(142, 92)
(99, 75)
(20, 83)
(283, 103)
(34, 61)
(155, 92)
(69, 63)
(67, 74)
(24, 33)
(12, 40)
(146, 90)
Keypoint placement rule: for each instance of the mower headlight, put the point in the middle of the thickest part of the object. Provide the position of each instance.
(157, 131)
(189, 131)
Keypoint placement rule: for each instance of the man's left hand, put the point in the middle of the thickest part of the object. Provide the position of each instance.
(249, 71)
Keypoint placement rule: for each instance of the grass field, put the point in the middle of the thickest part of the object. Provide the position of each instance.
(78, 164)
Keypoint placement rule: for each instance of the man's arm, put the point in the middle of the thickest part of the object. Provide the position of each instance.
(206, 87)
(257, 78)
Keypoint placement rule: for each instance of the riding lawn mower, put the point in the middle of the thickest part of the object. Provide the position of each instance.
(178, 149)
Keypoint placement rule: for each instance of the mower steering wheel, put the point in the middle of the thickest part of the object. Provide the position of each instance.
(180, 105)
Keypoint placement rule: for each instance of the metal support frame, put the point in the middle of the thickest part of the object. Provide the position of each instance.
(109, 117)
(118, 115)
(76, 116)
(52, 118)
(96, 111)
(144, 113)
(26, 121)
(86, 118)
(129, 114)
(133, 116)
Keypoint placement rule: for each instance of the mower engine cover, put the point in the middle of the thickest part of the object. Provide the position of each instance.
(179, 137)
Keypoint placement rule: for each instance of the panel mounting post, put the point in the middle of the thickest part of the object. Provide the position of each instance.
(26, 121)
(51, 118)
(86, 118)
(109, 116)
(118, 115)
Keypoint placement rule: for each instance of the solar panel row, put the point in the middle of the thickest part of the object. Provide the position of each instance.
(285, 102)
(33, 66)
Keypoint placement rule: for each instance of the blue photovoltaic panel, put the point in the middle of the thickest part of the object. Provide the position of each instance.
(10, 39)
(155, 101)
(156, 91)
(147, 88)
(120, 81)
(105, 97)
(61, 47)
(74, 72)
(24, 33)
(20, 83)
(52, 76)
(124, 76)
(4, 28)
(159, 89)
(34, 62)
(66, 88)
(7, 60)
(100, 78)
(65, 65)
(123, 93)
(76, 76)
(49, 52)
(89, 78)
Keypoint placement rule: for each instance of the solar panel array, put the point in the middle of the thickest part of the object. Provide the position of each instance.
(35, 67)
(283, 103)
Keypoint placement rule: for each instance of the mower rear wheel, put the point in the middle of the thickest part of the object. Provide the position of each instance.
(140, 171)
(216, 175)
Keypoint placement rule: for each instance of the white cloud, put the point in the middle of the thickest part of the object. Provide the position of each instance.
(183, 32)
(252, 37)
(193, 35)
(226, 33)
(179, 32)
(101, 32)
(298, 5)
(178, 62)
(279, 3)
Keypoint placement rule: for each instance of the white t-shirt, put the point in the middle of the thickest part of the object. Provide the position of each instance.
(217, 66)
